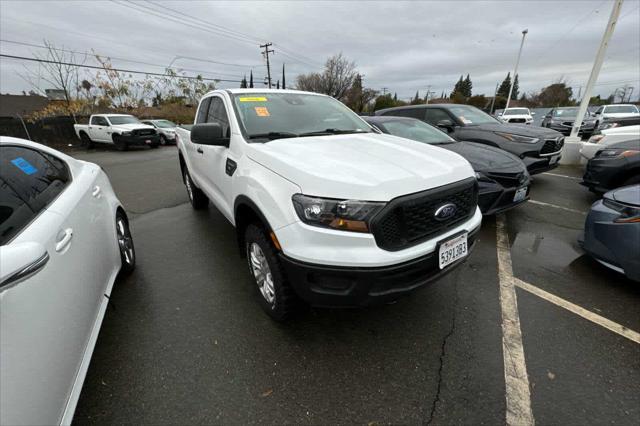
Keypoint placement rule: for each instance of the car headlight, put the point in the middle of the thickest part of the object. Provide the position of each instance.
(628, 214)
(617, 153)
(604, 126)
(347, 215)
(517, 138)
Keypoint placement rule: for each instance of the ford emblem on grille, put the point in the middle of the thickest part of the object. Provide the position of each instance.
(445, 211)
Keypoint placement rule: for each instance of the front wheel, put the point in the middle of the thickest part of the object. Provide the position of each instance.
(120, 144)
(125, 244)
(274, 293)
(163, 140)
(86, 141)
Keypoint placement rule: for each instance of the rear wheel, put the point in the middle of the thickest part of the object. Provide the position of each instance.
(274, 293)
(125, 244)
(196, 196)
(120, 144)
(163, 140)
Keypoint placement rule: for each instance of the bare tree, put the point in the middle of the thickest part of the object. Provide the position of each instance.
(57, 69)
(335, 80)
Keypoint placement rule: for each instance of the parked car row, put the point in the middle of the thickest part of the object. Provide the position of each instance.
(123, 131)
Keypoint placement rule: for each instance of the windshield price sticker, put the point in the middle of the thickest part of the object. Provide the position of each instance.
(253, 99)
(262, 111)
(26, 167)
(464, 120)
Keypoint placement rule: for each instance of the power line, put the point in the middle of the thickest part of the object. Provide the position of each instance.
(46, 61)
(266, 54)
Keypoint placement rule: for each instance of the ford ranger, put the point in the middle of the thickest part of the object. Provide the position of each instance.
(119, 129)
(327, 210)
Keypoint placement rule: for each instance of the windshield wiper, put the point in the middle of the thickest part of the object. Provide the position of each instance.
(333, 132)
(274, 135)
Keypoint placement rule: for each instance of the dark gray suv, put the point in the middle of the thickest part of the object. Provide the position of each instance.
(538, 147)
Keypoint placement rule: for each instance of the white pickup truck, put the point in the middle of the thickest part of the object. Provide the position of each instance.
(606, 112)
(122, 130)
(327, 210)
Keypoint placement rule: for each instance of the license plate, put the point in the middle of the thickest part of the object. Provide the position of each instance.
(147, 141)
(452, 250)
(554, 159)
(521, 194)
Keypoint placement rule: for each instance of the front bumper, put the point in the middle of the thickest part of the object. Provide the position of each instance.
(495, 198)
(601, 175)
(613, 244)
(339, 286)
(141, 140)
(537, 164)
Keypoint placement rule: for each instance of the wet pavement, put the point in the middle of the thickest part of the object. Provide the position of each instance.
(186, 343)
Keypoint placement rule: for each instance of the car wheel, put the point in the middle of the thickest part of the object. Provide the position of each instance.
(163, 140)
(125, 244)
(275, 295)
(86, 141)
(120, 144)
(196, 196)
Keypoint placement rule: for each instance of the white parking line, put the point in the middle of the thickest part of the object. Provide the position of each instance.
(595, 318)
(562, 176)
(518, 396)
(541, 203)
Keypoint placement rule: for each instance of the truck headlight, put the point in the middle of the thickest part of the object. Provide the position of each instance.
(517, 138)
(347, 215)
(126, 133)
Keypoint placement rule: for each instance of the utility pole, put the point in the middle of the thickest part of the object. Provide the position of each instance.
(384, 91)
(266, 55)
(493, 100)
(571, 149)
(515, 70)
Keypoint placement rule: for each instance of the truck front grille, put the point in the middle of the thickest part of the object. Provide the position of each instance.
(410, 219)
(144, 132)
(552, 146)
(517, 120)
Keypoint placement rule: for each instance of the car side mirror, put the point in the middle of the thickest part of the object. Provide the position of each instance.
(208, 134)
(19, 261)
(445, 124)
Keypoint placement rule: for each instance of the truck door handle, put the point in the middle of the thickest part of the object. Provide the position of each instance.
(65, 240)
(200, 150)
(96, 191)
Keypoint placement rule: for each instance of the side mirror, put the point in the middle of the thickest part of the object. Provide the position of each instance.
(208, 134)
(19, 261)
(445, 124)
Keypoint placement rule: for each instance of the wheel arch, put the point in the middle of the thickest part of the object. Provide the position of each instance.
(246, 212)
(183, 165)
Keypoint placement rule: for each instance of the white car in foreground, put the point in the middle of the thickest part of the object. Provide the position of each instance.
(64, 237)
(608, 137)
(516, 115)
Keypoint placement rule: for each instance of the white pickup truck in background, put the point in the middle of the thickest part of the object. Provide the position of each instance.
(327, 210)
(122, 130)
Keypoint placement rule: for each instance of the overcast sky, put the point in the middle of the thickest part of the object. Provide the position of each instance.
(403, 46)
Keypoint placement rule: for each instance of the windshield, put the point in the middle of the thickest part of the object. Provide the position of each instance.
(517, 111)
(123, 119)
(164, 124)
(471, 115)
(294, 114)
(620, 108)
(416, 130)
(565, 112)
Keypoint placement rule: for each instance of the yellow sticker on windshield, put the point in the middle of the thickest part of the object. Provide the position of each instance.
(262, 111)
(253, 99)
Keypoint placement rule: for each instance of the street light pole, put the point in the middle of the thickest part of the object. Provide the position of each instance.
(515, 70)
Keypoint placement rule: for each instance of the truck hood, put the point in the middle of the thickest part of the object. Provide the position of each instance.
(619, 114)
(132, 126)
(372, 167)
(506, 117)
(485, 158)
(518, 129)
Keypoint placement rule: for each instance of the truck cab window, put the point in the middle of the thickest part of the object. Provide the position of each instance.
(218, 114)
(203, 111)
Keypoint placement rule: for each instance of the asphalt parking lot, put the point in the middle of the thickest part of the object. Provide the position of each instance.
(184, 341)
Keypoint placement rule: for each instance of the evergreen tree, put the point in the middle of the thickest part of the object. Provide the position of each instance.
(278, 84)
(467, 86)
(251, 80)
(243, 82)
(283, 85)
(442, 95)
(395, 97)
(416, 99)
(457, 88)
(516, 89)
(503, 90)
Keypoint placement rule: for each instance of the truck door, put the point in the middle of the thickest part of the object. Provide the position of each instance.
(99, 129)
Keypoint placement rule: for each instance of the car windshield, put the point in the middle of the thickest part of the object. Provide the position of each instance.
(164, 124)
(416, 130)
(272, 115)
(471, 115)
(517, 111)
(123, 119)
(620, 108)
(565, 112)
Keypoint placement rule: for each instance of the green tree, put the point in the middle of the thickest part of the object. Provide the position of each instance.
(283, 85)
(503, 90)
(467, 86)
(478, 101)
(516, 89)
(384, 101)
(251, 80)
(554, 95)
(243, 82)
(458, 88)
(416, 99)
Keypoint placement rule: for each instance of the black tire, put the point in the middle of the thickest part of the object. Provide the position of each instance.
(163, 140)
(284, 301)
(120, 144)
(85, 140)
(197, 198)
(125, 244)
